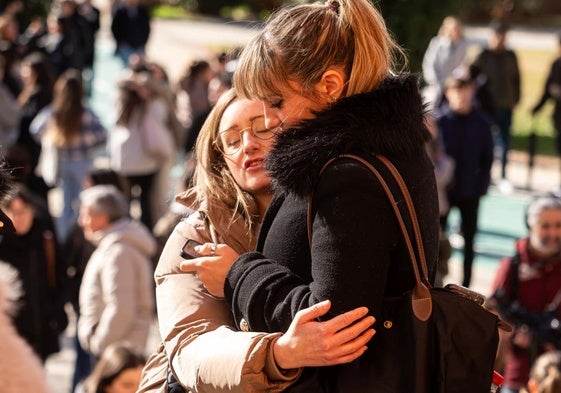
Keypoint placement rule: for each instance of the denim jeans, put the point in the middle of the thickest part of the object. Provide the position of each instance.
(504, 121)
(125, 51)
(72, 175)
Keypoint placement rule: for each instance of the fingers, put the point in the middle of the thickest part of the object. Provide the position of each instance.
(357, 331)
(189, 265)
(351, 350)
(197, 264)
(312, 313)
(344, 320)
(209, 249)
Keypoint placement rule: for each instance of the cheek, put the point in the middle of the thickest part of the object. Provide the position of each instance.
(23, 224)
(267, 145)
(234, 166)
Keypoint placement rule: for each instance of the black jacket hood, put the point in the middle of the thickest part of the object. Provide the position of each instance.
(388, 120)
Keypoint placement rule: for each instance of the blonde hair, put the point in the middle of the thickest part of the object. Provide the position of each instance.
(300, 43)
(212, 179)
(546, 372)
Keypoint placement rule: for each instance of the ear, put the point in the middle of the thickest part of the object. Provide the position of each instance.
(332, 83)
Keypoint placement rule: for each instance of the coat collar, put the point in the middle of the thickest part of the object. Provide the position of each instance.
(388, 120)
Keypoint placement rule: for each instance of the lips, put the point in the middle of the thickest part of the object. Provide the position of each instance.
(253, 163)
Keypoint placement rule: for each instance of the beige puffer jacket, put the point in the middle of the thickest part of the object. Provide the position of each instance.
(205, 351)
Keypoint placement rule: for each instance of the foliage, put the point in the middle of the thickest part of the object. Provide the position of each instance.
(169, 12)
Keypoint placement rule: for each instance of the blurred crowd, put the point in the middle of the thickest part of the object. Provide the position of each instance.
(117, 213)
(471, 101)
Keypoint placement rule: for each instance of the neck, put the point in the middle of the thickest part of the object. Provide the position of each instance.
(263, 201)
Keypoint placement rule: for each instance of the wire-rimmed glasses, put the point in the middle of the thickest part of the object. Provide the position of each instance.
(230, 142)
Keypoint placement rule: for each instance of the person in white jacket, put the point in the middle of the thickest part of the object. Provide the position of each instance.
(116, 295)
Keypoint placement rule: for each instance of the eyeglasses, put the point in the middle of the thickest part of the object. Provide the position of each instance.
(229, 142)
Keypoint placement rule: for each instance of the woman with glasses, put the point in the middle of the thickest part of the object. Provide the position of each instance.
(231, 193)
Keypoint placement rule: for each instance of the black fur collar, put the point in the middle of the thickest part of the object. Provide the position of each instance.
(388, 120)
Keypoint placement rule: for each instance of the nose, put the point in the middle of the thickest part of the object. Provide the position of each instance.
(250, 142)
(272, 116)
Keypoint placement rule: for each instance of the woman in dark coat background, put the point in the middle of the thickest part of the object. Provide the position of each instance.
(32, 251)
(346, 100)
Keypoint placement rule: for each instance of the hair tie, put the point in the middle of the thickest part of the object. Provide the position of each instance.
(332, 5)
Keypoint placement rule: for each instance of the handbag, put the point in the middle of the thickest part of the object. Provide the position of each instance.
(428, 340)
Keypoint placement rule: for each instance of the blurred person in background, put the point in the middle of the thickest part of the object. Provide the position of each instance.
(552, 91)
(71, 132)
(60, 44)
(33, 251)
(116, 295)
(141, 143)
(38, 80)
(445, 52)
(500, 65)
(9, 113)
(526, 290)
(11, 50)
(78, 251)
(468, 140)
(118, 371)
(193, 103)
(130, 26)
(91, 15)
(20, 368)
(545, 376)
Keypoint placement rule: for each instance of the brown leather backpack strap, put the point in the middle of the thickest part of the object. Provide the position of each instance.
(412, 214)
(50, 257)
(422, 303)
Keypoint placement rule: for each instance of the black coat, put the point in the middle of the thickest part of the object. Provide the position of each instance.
(40, 317)
(358, 256)
(131, 27)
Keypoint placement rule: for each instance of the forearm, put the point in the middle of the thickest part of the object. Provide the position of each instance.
(225, 360)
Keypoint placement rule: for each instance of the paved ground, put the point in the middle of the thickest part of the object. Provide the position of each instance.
(176, 43)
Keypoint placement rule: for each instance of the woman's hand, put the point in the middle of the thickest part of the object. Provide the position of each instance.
(212, 267)
(309, 343)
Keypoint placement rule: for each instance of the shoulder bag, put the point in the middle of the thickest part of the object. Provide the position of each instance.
(428, 340)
